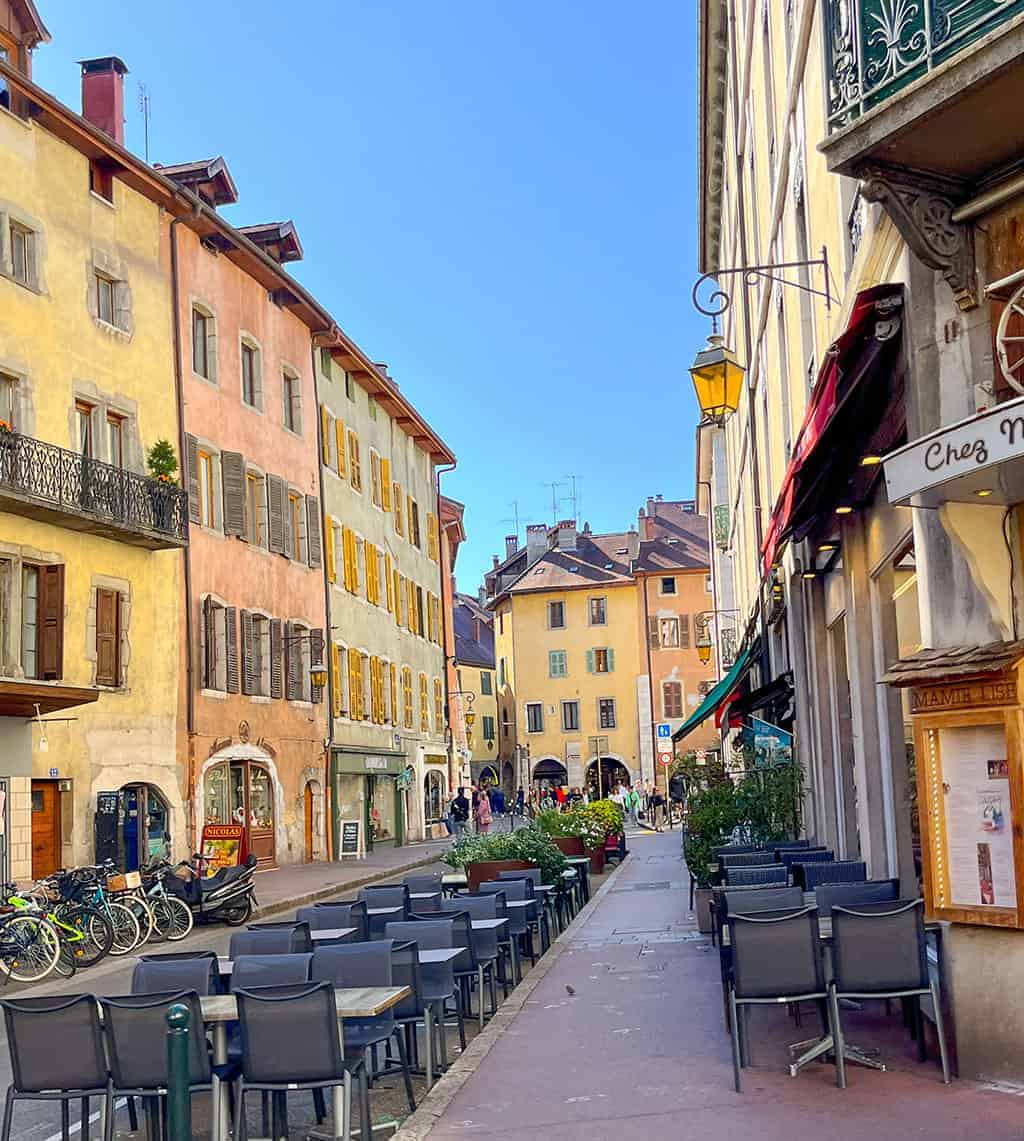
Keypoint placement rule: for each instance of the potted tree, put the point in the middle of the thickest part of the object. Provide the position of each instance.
(711, 819)
(162, 463)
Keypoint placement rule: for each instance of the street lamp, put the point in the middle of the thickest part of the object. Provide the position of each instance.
(717, 380)
(704, 646)
(702, 627)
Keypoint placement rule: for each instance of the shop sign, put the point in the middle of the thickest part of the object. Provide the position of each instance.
(352, 839)
(222, 846)
(969, 695)
(372, 762)
(970, 446)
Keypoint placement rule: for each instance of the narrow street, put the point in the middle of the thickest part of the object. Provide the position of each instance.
(638, 1047)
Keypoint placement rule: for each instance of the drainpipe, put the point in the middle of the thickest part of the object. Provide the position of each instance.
(444, 626)
(179, 395)
(650, 687)
(333, 848)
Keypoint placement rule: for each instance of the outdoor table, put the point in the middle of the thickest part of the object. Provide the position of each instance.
(352, 1002)
(491, 924)
(424, 897)
(439, 955)
(454, 880)
(382, 915)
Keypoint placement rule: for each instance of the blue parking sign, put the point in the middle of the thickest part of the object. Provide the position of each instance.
(664, 729)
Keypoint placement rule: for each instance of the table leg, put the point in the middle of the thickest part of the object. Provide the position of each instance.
(220, 1057)
(428, 1026)
(339, 1108)
(819, 1046)
(517, 975)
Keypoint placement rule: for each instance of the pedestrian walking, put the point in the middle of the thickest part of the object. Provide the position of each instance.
(483, 813)
(458, 813)
(520, 808)
(632, 805)
(658, 811)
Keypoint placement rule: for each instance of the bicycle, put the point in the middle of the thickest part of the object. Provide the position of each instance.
(91, 890)
(29, 947)
(85, 930)
(172, 916)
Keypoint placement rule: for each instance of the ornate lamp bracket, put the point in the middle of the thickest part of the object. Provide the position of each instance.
(718, 300)
(921, 208)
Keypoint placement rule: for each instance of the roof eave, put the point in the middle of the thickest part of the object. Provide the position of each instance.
(712, 90)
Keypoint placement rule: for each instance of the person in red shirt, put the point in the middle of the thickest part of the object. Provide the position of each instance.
(560, 796)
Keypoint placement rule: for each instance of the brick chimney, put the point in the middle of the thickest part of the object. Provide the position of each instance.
(103, 94)
(511, 545)
(536, 542)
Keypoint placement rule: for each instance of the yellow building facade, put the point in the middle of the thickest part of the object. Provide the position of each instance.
(90, 558)
(476, 698)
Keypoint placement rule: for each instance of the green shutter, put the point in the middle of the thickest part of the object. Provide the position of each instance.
(611, 660)
(590, 661)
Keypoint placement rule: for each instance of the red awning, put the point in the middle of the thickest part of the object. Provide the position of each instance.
(852, 393)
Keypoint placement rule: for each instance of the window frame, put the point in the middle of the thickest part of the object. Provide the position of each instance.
(603, 600)
(101, 280)
(206, 315)
(249, 350)
(561, 657)
(207, 501)
(572, 704)
(607, 714)
(671, 593)
(291, 401)
(539, 707)
(486, 688)
(257, 519)
(561, 604)
(601, 650)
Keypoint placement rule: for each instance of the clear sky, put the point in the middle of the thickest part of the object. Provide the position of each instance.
(496, 197)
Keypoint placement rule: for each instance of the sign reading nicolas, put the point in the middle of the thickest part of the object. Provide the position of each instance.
(965, 449)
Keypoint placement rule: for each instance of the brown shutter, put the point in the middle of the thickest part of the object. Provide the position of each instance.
(107, 637)
(313, 531)
(51, 622)
(249, 682)
(231, 645)
(207, 645)
(289, 660)
(684, 631)
(232, 472)
(276, 676)
(652, 633)
(289, 538)
(195, 510)
(275, 511)
(316, 658)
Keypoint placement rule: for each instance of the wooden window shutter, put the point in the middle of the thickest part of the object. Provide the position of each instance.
(339, 435)
(652, 633)
(398, 595)
(292, 664)
(313, 531)
(107, 637)
(399, 524)
(325, 435)
(610, 656)
(232, 470)
(231, 645)
(250, 683)
(590, 661)
(276, 673)
(208, 669)
(385, 483)
(354, 465)
(332, 567)
(389, 586)
(336, 703)
(393, 670)
(684, 631)
(51, 622)
(411, 601)
(371, 560)
(195, 509)
(276, 497)
(316, 658)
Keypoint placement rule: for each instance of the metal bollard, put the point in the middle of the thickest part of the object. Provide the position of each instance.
(179, 1104)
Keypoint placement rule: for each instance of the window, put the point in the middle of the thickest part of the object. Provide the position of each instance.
(396, 493)
(218, 645)
(252, 385)
(668, 632)
(296, 527)
(393, 693)
(350, 386)
(708, 587)
(557, 665)
(407, 697)
(486, 688)
(22, 244)
(570, 716)
(30, 621)
(101, 180)
(204, 344)
(414, 523)
(534, 717)
(115, 439)
(433, 547)
(104, 298)
(356, 692)
(424, 705)
(375, 491)
(6, 56)
(488, 727)
(255, 509)
(671, 699)
(433, 797)
(438, 707)
(556, 615)
(9, 400)
(420, 627)
(355, 471)
(668, 586)
(325, 363)
(599, 612)
(291, 392)
(206, 501)
(502, 675)
(42, 622)
(506, 723)
(83, 416)
(385, 483)
(256, 655)
(606, 712)
(600, 660)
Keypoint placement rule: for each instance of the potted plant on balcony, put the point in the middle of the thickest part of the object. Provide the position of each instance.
(6, 449)
(162, 464)
(484, 856)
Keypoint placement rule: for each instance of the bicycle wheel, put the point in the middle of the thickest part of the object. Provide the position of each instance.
(140, 908)
(126, 928)
(66, 964)
(173, 918)
(97, 935)
(29, 948)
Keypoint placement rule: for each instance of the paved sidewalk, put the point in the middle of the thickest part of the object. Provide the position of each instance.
(640, 1048)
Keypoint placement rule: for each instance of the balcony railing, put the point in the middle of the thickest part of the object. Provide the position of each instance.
(875, 48)
(44, 481)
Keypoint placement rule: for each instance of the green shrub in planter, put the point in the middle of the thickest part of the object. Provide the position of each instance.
(608, 814)
(530, 843)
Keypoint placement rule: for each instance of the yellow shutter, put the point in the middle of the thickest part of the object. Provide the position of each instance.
(410, 591)
(354, 463)
(332, 569)
(385, 482)
(336, 678)
(369, 560)
(355, 685)
(432, 544)
(438, 707)
(375, 494)
(398, 595)
(388, 584)
(399, 523)
(393, 670)
(339, 432)
(325, 434)
(424, 705)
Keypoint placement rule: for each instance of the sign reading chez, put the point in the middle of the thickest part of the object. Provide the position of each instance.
(964, 449)
(965, 695)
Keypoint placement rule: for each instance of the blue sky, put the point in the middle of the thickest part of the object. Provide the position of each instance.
(496, 198)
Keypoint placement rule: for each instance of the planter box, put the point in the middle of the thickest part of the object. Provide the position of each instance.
(596, 861)
(570, 845)
(702, 908)
(479, 873)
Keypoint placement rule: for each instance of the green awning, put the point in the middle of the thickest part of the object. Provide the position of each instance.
(715, 698)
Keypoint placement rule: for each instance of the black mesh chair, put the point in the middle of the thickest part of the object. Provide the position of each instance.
(154, 975)
(301, 941)
(743, 899)
(290, 1042)
(829, 895)
(879, 950)
(745, 859)
(385, 895)
(405, 971)
(759, 876)
(56, 1048)
(369, 965)
(791, 856)
(185, 956)
(545, 899)
(272, 941)
(135, 1027)
(478, 963)
(491, 905)
(342, 913)
(795, 846)
(250, 971)
(734, 849)
(809, 876)
(520, 890)
(776, 959)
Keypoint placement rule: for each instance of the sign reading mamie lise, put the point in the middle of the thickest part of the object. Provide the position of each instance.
(963, 449)
(351, 838)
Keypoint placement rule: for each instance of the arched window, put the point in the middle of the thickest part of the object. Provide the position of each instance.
(433, 797)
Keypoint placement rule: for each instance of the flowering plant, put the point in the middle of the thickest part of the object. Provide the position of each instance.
(5, 427)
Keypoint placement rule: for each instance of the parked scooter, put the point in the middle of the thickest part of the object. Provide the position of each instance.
(228, 896)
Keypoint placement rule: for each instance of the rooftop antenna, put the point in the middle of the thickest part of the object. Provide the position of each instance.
(555, 499)
(514, 517)
(573, 498)
(145, 110)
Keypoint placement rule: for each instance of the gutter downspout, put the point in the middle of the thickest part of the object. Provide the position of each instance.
(331, 812)
(179, 395)
(438, 472)
(650, 685)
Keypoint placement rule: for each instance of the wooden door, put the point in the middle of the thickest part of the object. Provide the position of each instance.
(45, 828)
(308, 798)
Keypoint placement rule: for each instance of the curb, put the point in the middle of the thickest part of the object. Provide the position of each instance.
(419, 1124)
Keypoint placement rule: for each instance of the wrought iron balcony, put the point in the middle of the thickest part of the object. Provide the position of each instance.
(934, 55)
(46, 482)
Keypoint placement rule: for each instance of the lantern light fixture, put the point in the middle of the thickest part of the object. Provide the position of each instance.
(717, 377)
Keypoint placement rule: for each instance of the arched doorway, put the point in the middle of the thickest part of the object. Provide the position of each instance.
(312, 812)
(488, 777)
(242, 792)
(433, 797)
(144, 825)
(549, 773)
(602, 782)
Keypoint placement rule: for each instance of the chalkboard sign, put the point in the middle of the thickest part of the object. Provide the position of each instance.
(350, 839)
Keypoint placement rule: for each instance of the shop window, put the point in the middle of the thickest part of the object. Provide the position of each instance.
(433, 797)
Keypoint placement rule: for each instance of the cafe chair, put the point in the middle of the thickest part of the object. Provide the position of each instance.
(339, 913)
(544, 898)
(491, 905)
(760, 876)
(251, 971)
(744, 859)
(829, 895)
(43, 1071)
(809, 876)
(280, 941)
(879, 950)
(157, 974)
(385, 895)
(300, 932)
(776, 961)
(425, 882)
(791, 856)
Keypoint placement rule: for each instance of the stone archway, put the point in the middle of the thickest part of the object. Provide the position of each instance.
(313, 820)
(251, 754)
(612, 771)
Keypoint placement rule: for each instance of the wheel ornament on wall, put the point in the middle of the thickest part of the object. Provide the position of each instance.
(1010, 341)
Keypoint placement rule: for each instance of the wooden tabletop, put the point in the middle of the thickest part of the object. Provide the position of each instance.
(352, 1002)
